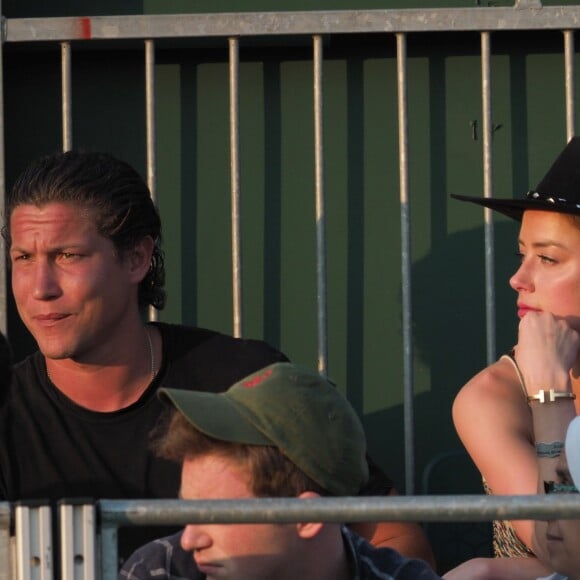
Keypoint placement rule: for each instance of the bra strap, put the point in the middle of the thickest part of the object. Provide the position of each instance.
(512, 359)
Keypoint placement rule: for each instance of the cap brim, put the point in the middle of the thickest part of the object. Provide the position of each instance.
(215, 415)
(573, 450)
(514, 208)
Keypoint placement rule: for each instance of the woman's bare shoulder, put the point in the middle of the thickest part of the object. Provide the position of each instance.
(498, 379)
(493, 420)
(493, 396)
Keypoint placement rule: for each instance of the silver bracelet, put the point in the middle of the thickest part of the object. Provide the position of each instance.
(549, 396)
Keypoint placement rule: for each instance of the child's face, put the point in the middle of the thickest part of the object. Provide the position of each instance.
(563, 536)
(233, 551)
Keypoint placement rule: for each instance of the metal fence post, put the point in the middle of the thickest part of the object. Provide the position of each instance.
(5, 552)
(34, 547)
(77, 540)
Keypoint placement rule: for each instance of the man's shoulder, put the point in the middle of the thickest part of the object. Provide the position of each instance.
(209, 360)
(23, 380)
(372, 563)
(180, 340)
(198, 337)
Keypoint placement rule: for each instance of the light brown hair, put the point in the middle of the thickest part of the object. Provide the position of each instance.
(271, 473)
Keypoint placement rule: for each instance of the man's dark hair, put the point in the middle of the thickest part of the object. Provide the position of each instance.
(116, 194)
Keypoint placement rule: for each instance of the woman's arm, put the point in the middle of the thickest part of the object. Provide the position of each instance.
(546, 352)
(500, 429)
(493, 420)
(498, 569)
(408, 538)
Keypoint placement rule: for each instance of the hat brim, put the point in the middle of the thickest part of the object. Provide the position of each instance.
(215, 415)
(514, 208)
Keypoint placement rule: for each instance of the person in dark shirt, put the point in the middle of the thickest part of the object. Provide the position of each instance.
(5, 364)
(84, 239)
(283, 431)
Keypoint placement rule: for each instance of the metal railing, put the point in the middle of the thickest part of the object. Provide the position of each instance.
(88, 533)
(524, 15)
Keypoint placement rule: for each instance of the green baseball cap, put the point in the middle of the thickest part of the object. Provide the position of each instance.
(289, 407)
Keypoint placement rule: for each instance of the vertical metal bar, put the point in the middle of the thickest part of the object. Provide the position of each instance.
(235, 185)
(109, 551)
(5, 552)
(24, 539)
(77, 541)
(406, 264)
(87, 523)
(65, 61)
(320, 208)
(150, 130)
(488, 192)
(67, 542)
(3, 281)
(34, 550)
(570, 93)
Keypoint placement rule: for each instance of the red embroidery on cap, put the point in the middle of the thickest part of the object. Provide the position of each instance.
(257, 379)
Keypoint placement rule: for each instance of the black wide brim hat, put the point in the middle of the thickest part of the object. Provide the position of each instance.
(558, 191)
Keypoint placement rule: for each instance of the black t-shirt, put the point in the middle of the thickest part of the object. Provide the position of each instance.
(51, 448)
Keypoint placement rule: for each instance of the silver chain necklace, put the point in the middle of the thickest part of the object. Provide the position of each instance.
(151, 358)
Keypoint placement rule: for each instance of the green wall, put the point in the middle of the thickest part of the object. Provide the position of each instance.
(362, 191)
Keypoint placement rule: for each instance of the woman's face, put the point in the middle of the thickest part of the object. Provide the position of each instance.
(548, 278)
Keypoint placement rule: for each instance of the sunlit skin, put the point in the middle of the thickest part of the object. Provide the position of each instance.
(252, 551)
(548, 279)
(548, 287)
(491, 414)
(77, 297)
(563, 536)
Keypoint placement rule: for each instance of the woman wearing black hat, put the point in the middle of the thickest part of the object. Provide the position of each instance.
(512, 416)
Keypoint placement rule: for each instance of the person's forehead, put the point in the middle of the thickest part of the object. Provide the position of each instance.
(53, 212)
(548, 228)
(52, 224)
(78, 207)
(214, 476)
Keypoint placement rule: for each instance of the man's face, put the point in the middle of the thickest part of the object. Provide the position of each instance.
(71, 288)
(563, 536)
(234, 551)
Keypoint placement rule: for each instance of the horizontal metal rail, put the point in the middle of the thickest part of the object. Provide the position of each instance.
(113, 514)
(471, 508)
(525, 15)
(290, 23)
(438, 508)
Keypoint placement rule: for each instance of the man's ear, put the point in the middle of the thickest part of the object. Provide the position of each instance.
(309, 529)
(139, 258)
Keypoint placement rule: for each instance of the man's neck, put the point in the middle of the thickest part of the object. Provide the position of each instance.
(326, 558)
(114, 382)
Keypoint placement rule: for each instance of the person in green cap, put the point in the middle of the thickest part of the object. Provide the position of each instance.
(283, 431)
